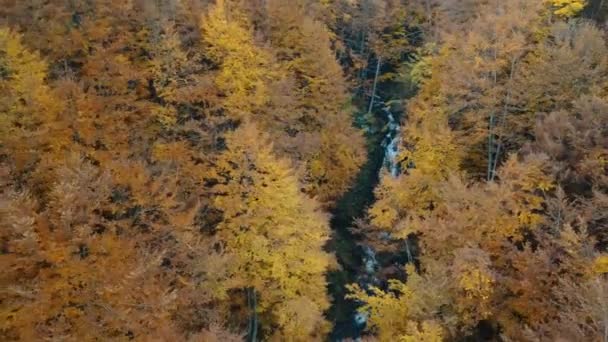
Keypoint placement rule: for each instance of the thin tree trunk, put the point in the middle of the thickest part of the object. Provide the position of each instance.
(252, 326)
(254, 335)
(408, 251)
(490, 145)
(362, 43)
(491, 149)
(503, 119)
(362, 72)
(250, 321)
(371, 101)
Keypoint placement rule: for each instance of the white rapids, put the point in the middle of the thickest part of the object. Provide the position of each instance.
(391, 144)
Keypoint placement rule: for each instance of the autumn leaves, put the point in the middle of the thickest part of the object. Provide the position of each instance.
(275, 232)
(166, 172)
(504, 99)
(166, 165)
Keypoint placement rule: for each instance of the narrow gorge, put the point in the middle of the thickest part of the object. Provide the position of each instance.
(304, 170)
(358, 261)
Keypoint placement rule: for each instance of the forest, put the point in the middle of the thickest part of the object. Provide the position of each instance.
(304, 170)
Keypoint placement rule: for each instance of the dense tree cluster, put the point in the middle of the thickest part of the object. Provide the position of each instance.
(504, 186)
(167, 167)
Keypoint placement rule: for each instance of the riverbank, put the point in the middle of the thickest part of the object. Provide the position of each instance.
(382, 136)
(345, 244)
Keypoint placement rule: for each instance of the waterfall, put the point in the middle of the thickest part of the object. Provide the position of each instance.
(366, 280)
(391, 143)
(369, 259)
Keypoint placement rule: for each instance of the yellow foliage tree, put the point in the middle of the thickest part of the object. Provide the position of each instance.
(276, 234)
(64, 277)
(474, 286)
(332, 150)
(399, 314)
(31, 121)
(600, 266)
(244, 67)
(466, 234)
(568, 8)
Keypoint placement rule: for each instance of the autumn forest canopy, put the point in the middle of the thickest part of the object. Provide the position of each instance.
(304, 170)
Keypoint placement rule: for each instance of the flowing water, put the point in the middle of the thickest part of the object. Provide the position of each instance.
(358, 261)
(391, 143)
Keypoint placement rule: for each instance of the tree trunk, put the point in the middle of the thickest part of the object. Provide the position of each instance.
(410, 258)
(253, 318)
(371, 101)
(503, 118)
(491, 148)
